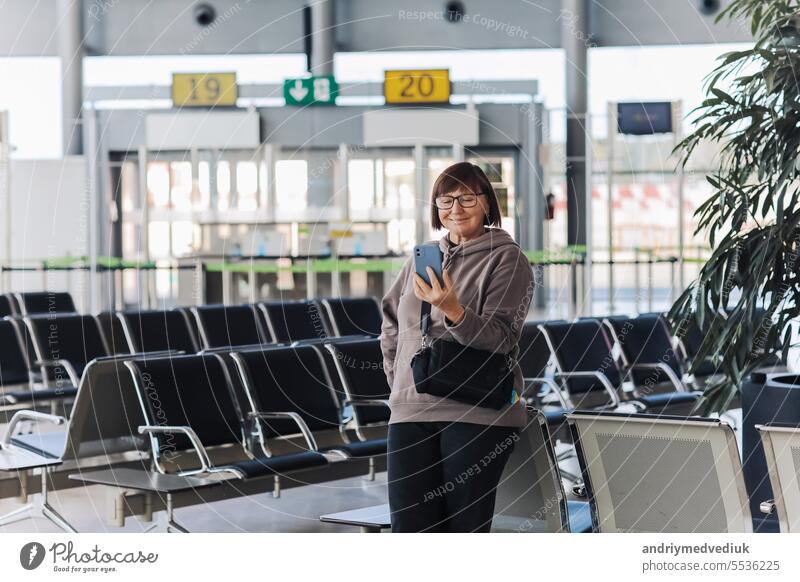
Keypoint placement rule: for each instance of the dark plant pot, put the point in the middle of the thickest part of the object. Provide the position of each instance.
(766, 398)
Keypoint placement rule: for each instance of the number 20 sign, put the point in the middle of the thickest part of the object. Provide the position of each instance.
(204, 89)
(417, 86)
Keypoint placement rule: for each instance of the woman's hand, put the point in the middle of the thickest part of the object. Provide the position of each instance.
(443, 298)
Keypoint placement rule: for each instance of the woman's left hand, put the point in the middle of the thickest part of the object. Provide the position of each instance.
(442, 297)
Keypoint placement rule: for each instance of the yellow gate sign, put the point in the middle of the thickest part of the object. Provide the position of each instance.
(417, 86)
(204, 89)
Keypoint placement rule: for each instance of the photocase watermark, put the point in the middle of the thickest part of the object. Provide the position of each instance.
(206, 31)
(32, 555)
(537, 517)
(100, 8)
(571, 20)
(65, 558)
(167, 447)
(491, 24)
(475, 469)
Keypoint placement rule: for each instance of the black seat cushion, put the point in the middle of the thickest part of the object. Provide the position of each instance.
(291, 379)
(190, 391)
(583, 346)
(235, 325)
(646, 340)
(280, 464)
(295, 320)
(114, 333)
(6, 308)
(155, 331)
(355, 315)
(47, 302)
(361, 363)
(370, 448)
(72, 337)
(534, 353)
(13, 360)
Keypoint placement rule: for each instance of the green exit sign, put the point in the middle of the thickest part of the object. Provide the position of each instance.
(311, 91)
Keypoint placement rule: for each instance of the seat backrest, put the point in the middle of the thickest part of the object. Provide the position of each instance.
(155, 331)
(294, 320)
(106, 413)
(782, 452)
(26, 342)
(530, 496)
(114, 333)
(582, 346)
(360, 367)
(354, 315)
(647, 473)
(193, 391)
(46, 302)
(534, 353)
(67, 336)
(6, 307)
(646, 340)
(330, 361)
(289, 379)
(229, 325)
(14, 364)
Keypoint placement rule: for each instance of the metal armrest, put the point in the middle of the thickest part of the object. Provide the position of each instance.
(596, 375)
(32, 415)
(673, 377)
(312, 444)
(551, 387)
(200, 450)
(67, 365)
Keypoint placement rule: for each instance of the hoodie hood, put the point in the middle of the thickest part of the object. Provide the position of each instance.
(491, 239)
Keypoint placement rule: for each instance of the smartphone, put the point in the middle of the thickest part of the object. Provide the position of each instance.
(428, 256)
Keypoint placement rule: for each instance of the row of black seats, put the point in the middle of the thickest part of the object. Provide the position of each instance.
(17, 304)
(602, 363)
(249, 397)
(52, 349)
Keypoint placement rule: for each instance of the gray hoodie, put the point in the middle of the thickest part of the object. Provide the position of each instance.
(494, 283)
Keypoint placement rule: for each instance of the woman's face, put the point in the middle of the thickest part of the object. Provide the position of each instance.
(465, 223)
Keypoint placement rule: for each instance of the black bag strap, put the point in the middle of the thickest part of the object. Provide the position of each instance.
(425, 318)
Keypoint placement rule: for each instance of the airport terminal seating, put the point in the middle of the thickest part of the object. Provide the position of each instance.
(587, 366)
(288, 321)
(158, 330)
(31, 303)
(782, 451)
(660, 474)
(229, 325)
(360, 367)
(353, 315)
(249, 410)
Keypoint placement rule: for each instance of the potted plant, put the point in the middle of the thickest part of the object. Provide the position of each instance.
(752, 218)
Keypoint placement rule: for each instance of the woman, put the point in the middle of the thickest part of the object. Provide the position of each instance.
(445, 457)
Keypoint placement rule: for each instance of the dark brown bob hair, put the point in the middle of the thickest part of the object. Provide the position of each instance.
(464, 177)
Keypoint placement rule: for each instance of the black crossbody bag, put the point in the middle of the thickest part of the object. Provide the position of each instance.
(462, 373)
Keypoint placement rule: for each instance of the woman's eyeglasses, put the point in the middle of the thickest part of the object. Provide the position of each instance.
(464, 200)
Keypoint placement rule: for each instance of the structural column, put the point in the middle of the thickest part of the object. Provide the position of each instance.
(70, 50)
(323, 37)
(575, 38)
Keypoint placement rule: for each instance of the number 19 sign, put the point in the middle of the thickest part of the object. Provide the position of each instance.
(204, 89)
(417, 86)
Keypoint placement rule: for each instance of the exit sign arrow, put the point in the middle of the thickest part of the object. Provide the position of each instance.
(298, 92)
(311, 91)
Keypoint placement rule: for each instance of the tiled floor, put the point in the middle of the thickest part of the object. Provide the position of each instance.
(297, 510)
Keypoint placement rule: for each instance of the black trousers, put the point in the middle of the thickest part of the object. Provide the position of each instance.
(443, 476)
